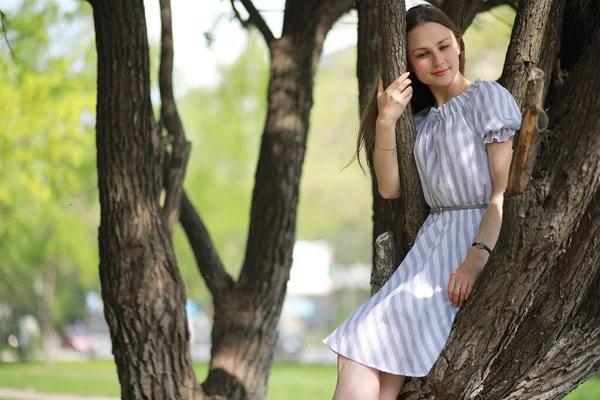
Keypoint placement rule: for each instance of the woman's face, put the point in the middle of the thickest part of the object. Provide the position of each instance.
(433, 54)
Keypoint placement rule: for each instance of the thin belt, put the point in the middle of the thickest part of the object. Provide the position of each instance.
(437, 210)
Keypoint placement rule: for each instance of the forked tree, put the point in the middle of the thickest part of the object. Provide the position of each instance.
(532, 328)
(142, 289)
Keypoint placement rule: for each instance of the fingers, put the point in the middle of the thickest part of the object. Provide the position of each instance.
(396, 84)
(380, 86)
(457, 289)
(466, 288)
(456, 294)
(407, 93)
(399, 84)
(403, 85)
(451, 284)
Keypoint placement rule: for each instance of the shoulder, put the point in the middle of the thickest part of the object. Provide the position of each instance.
(489, 93)
(494, 108)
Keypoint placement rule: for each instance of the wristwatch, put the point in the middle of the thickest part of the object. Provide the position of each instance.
(481, 245)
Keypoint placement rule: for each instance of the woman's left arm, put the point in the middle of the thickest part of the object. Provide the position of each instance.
(499, 156)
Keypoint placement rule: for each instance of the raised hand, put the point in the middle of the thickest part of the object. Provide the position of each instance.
(392, 102)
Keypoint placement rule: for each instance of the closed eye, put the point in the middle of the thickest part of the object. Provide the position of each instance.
(444, 47)
(421, 55)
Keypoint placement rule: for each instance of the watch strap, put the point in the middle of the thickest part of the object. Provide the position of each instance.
(481, 245)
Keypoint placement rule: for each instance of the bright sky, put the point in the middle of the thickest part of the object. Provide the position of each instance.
(197, 63)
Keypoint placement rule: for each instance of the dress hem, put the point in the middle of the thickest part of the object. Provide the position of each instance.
(411, 374)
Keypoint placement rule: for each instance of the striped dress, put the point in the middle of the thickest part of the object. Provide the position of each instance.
(404, 327)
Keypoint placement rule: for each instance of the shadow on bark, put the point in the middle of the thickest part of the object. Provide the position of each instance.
(218, 379)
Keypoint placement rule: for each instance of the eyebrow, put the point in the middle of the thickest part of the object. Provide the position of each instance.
(425, 48)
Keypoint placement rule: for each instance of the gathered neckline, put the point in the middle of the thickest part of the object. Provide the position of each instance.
(454, 104)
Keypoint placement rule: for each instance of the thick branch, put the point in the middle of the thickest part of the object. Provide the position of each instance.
(210, 265)
(534, 124)
(385, 261)
(463, 12)
(491, 4)
(526, 44)
(393, 46)
(255, 19)
(387, 214)
(177, 162)
(294, 62)
(581, 19)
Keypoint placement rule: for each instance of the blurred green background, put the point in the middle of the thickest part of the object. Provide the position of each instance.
(49, 210)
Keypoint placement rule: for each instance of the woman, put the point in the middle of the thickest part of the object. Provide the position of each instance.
(463, 152)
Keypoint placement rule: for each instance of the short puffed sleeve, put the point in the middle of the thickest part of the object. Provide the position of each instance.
(496, 115)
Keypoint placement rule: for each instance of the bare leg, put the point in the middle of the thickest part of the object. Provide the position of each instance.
(356, 381)
(389, 385)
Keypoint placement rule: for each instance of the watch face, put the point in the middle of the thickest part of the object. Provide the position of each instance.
(480, 245)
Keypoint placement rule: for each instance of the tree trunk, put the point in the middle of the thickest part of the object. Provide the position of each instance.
(247, 312)
(532, 328)
(142, 290)
(387, 214)
(393, 64)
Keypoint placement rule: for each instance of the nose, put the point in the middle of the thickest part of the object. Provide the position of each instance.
(437, 59)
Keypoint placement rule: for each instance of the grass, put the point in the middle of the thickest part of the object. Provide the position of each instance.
(99, 378)
(287, 381)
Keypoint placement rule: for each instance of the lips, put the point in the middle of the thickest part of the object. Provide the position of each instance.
(442, 72)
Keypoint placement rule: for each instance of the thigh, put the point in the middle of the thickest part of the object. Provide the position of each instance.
(356, 381)
(389, 385)
(347, 366)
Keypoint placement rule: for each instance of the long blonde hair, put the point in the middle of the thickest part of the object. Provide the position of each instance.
(422, 96)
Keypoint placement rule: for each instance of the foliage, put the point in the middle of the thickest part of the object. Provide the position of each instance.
(486, 41)
(47, 175)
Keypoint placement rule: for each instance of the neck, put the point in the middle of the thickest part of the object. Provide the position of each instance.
(443, 94)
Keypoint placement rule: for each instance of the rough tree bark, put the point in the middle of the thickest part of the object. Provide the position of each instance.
(142, 290)
(532, 328)
(247, 310)
(387, 214)
(393, 64)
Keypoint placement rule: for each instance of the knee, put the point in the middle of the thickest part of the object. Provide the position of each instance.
(356, 381)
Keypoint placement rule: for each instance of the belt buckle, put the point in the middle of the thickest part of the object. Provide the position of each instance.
(436, 210)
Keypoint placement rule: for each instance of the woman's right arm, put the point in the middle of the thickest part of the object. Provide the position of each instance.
(391, 103)
(385, 159)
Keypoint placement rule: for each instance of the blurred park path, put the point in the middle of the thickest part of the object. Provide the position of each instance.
(19, 394)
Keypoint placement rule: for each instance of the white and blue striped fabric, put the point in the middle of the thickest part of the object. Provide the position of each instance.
(404, 327)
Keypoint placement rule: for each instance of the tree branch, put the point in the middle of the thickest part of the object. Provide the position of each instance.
(527, 138)
(208, 261)
(393, 48)
(3, 17)
(490, 4)
(177, 162)
(463, 12)
(528, 43)
(333, 10)
(255, 19)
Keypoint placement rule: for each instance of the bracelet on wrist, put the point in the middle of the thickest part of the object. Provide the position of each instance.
(393, 150)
